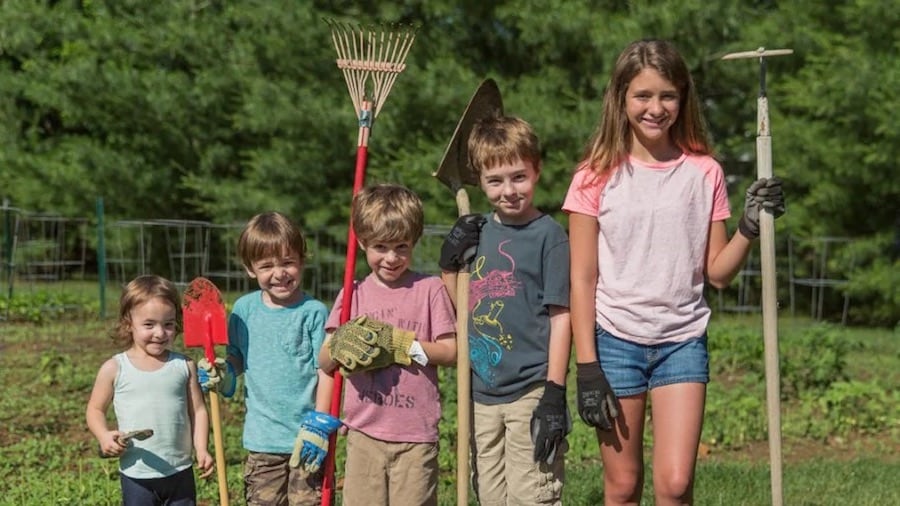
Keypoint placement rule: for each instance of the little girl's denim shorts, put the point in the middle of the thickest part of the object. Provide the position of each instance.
(633, 368)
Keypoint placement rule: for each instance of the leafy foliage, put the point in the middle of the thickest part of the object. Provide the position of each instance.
(217, 110)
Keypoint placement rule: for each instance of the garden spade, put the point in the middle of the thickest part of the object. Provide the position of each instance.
(456, 172)
(204, 325)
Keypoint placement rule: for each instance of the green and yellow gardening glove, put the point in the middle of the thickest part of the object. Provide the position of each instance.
(355, 348)
(311, 445)
(365, 344)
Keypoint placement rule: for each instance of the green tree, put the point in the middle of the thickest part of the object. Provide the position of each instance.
(217, 110)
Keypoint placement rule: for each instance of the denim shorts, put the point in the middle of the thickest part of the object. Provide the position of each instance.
(634, 368)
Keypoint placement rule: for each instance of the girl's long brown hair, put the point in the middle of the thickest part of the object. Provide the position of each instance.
(611, 141)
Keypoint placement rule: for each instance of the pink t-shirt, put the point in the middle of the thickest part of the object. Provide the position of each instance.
(654, 224)
(398, 403)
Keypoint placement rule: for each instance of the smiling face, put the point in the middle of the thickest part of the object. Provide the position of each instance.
(279, 278)
(652, 104)
(509, 187)
(153, 326)
(389, 260)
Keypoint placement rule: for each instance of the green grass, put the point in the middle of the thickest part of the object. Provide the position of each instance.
(49, 457)
(808, 483)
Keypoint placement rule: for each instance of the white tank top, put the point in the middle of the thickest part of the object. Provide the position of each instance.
(155, 400)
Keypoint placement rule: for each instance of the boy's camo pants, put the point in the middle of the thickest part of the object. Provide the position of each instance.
(270, 481)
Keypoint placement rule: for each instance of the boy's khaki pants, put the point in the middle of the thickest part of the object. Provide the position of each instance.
(503, 468)
(385, 473)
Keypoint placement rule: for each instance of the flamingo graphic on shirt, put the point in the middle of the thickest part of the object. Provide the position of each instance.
(487, 339)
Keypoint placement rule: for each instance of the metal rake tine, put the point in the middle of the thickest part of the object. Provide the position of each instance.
(371, 54)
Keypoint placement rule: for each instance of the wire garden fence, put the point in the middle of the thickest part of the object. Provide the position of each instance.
(43, 256)
(53, 263)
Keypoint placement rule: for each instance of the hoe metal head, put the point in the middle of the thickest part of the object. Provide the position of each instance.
(455, 169)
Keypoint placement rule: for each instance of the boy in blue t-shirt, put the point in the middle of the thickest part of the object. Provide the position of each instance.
(274, 337)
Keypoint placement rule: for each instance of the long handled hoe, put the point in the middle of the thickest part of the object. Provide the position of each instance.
(370, 58)
(767, 261)
(203, 313)
(455, 172)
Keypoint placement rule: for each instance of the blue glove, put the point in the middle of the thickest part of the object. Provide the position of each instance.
(221, 376)
(311, 445)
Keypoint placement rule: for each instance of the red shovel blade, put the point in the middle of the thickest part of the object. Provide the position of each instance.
(203, 313)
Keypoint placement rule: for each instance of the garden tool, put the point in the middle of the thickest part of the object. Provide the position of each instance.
(203, 313)
(767, 263)
(126, 438)
(370, 58)
(455, 171)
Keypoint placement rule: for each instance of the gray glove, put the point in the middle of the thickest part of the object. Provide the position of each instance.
(550, 423)
(597, 403)
(459, 246)
(762, 194)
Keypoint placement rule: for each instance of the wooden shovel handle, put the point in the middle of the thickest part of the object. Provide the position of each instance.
(463, 370)
(463, 389)
(220, 449)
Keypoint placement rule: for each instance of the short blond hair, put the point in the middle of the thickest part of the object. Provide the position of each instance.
(270, 234)
(498, 140)
(387, 213)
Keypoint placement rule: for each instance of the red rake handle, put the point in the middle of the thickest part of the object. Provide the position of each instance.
(328, 481)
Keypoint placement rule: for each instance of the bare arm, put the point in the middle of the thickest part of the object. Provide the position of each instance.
(442, 351)
(324, 391)
(560, 345)
(724, 257)
(326, 364)
(583, 233)
(199, 422)
(95, 414)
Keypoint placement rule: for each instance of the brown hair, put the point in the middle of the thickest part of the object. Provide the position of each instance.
(387, 212)
(270, 234)
(139, 291)
(612, 139)
(498, 140)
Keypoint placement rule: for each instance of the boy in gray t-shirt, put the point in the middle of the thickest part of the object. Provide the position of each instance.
(519, 331)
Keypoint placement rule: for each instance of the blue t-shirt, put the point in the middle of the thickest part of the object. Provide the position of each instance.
(279, 348)
(518, 272)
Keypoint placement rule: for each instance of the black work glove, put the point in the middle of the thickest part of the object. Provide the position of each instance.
(762, 194)
(459, 245)
(550, 423)
(597, 404)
